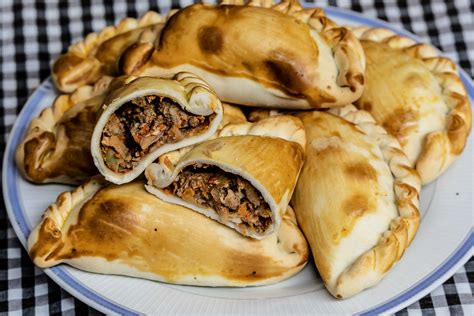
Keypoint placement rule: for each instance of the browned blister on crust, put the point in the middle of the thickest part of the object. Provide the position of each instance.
(281, 55)
(356, 199)
(109, 229)
(99, 53)
(418, 97)
(56, 146)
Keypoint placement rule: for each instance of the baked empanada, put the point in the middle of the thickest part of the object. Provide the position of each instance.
(356, 200)
(244, 182)
(257, 54)
(105, 228)
(148, 117)
(99, 53)
(56, 147)
(418, 97)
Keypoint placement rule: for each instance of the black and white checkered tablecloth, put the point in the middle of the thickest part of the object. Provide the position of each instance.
(32, 33)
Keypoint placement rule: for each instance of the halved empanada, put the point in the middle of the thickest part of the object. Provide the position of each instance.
(258, 54)
(98, 54)
(356, 199)
(148, 117)
(418, 97)
(56, 147)
(105, 228)
(244, 182)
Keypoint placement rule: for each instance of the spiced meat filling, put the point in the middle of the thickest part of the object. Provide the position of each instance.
(231, 196)
(143, 125)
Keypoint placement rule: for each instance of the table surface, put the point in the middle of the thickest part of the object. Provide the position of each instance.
(33, 33)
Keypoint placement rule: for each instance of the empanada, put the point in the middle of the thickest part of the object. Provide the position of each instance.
(257, 54)
(148, 117)
(356, 199)
(56, 147)
(105, 228)
(99, 53)
(244, 182)
(418, 97)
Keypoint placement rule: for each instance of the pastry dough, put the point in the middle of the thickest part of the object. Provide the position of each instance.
(99, 53)
(258, 54)
(244, 178)
(232, 115)
(356, 199)
(56, 147)
(133, 130)
(105, 228)
(418, 97)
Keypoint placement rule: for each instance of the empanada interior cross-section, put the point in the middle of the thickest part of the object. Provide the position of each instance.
(218, 143)
(148, 117)
(244, 178)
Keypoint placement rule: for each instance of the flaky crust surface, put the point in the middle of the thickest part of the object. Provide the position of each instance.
(440, 145)
(109, 229)
(98, 54)
(292, 58)
(356, 234)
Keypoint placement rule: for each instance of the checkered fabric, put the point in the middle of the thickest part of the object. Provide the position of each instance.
(33, 33)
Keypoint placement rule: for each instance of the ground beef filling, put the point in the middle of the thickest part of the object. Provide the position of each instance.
(144, 124)
(231, 196)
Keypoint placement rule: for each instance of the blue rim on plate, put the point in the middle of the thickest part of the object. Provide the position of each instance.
(71, 284)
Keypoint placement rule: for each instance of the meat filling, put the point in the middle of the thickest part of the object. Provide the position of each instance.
(230, 195)
(145, 124)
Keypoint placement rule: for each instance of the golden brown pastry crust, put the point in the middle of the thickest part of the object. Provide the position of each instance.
(269, 154)
(282, 126)
(105, 228)
(56, 145)
(271, 165)
(98, 54)
(309, 63)
(441, 147)
(323, 227)
(232, 115)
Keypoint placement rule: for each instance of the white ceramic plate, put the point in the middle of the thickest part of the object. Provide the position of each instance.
(443, 244)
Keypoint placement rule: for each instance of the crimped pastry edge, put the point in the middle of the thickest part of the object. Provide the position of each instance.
(58, 212)
(47, 121)
(371, 266)
(83, 49)
(346, 50)
(450, 142)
